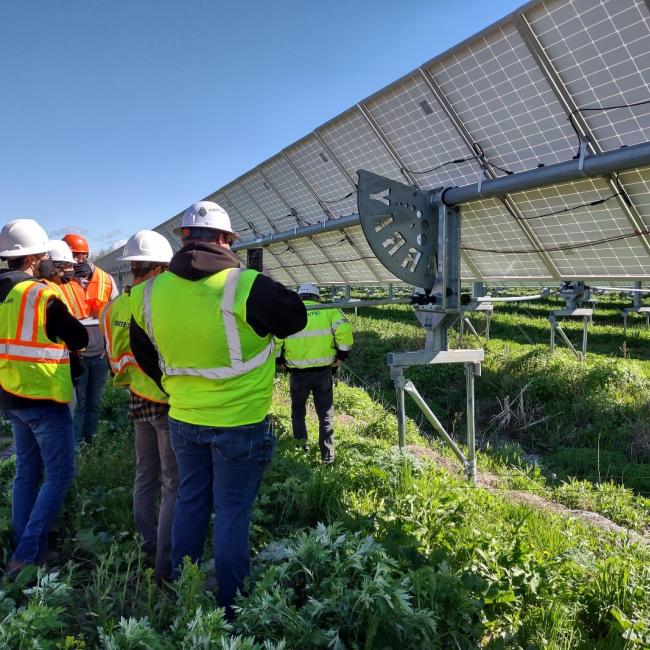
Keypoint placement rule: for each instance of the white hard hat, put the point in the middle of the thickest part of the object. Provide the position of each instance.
(205, 214)
(60, 251)
(308, 287)
(147, 246)
(23, 237)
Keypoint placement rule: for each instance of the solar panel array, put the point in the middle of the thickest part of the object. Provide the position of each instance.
(503, 101)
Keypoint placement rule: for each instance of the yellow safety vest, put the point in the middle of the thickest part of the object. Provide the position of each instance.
(327, 331)
(216, 370)
(31, 365)
(114, 324)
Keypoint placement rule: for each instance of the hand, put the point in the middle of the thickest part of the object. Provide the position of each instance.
(336, 363)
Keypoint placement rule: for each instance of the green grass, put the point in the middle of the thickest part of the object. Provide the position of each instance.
(386, 550)
(586, 420)
(382, 550)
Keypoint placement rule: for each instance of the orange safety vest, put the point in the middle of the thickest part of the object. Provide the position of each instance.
(60, 294)
(31, 365)
(88, 302)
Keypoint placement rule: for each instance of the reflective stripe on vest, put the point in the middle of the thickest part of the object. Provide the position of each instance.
(31, 365)
(306, 333)
(316, 345)
(89, 301)
(60, 295)
(122, 361)
(118, 363)
(27, 320)
(308, 363)
(76, 299)
(114, 321)
(237, 365)
(33, 352)
(100, 287)
(25, 346)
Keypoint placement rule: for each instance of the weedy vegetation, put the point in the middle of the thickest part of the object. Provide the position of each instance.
(388, 549)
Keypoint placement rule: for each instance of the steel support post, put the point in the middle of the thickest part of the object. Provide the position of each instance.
(488, 319)
(478, 290)
(637, 296)
(469, 324)
(400, 383)
(553, 324)
(471, 370)
(566, 340)
(410, 388)
(585, 328)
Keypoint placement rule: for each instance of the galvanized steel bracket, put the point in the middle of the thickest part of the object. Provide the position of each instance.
(401, 227)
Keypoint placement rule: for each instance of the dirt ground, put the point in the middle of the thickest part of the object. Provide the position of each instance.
(491, 481)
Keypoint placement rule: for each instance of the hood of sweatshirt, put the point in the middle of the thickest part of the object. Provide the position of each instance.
(9, 279)
(197, 261)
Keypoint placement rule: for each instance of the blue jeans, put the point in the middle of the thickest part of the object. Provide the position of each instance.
(43, 440)
(90, 388)
(220, 467)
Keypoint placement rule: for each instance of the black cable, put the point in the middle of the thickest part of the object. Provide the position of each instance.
(479, 156)
(347, 196)
(599, 108)
(555, 249)
(296, 266)
(456, 161)
(570, 209)
(335, 244)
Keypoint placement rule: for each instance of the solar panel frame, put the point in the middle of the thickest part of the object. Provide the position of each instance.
(591, 67)
(511, 88)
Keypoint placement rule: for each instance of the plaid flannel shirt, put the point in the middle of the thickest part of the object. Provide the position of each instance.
(144, 410)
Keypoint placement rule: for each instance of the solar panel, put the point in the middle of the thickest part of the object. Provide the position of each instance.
(509, 99)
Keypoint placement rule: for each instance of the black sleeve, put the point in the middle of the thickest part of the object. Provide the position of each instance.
(60, 324)
(271, 308)
(144, 352)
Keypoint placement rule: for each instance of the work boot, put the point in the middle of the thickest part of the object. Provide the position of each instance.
(304, 446)
(211, 584)
(328, 460)
(49, 559)
(13, 568)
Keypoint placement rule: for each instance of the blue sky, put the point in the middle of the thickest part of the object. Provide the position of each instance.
(115, 115)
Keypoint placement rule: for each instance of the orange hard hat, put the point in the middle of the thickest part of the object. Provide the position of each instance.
(77, 243)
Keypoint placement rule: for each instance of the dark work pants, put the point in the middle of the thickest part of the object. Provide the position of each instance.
(220, 468)
(89, 389)
(319, 382)
(156, 475)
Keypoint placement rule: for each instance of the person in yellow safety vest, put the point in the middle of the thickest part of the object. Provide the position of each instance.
(312, 356)
(89, 291)
(156, 472)
(36, 333)
(205, 329)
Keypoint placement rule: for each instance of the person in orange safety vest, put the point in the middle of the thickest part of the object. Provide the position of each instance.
(87, 293)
